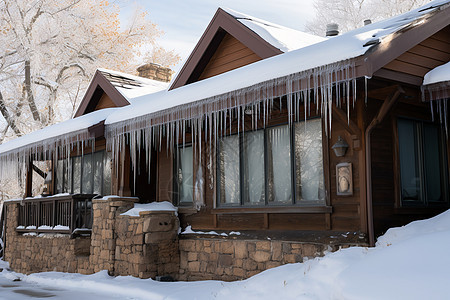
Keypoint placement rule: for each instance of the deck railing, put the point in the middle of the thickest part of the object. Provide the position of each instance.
(59, 214)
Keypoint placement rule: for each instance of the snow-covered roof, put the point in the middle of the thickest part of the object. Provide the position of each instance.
(131, 86)
(298, 64)
(283, 38)
(438, 74)
(57, 131)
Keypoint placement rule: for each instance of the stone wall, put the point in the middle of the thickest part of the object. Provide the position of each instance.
(222, 259)
(48, 252)
(143, 246)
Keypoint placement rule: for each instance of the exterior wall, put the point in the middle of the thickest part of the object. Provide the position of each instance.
(227, 259)
(231, 54)
(143, 246)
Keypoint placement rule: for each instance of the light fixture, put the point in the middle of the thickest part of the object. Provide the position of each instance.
(248, 110)
(340, 147)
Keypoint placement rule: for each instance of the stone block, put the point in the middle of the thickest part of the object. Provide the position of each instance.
(240, 250)
(276, 251)
(227, 247)
(192, 256)
(155, 237)
(159, 222)
(194, 266)
(225, 260)
(260, 256)
(263, 245)
(309, 250)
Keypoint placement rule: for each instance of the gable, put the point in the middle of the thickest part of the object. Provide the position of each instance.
(100, 94)
(221, 25)
(229, 55)
(413, 64)
(104, 102)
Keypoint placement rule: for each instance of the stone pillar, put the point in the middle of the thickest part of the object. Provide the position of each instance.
(155, 72)
(103, 238)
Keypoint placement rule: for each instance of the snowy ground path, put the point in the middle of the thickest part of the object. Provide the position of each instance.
(409, 262)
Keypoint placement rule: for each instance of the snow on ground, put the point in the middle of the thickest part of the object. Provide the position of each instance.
(409, 262)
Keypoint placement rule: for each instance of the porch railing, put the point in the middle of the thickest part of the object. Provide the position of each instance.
(62, 214)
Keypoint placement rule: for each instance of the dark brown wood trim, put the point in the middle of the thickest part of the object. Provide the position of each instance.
(274, 210)
(97, 87)
(222, 22)
(97, 130)
(399, 77)
(29, 180)
(405, 39)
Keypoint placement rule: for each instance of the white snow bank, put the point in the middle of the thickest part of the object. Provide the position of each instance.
(410, 264)
(188, 230)
(154, 206)
(438, 74)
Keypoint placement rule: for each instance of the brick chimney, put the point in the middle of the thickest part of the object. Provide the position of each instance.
(155, 72)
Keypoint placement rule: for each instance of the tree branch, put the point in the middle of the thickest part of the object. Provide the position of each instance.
(10, 121)
(30, 96)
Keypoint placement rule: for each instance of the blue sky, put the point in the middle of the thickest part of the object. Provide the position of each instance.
(184, 21)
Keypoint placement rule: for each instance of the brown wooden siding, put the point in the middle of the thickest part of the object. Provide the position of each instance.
(345, 211)
(104, 102)
(423, 57)
(387, 209)
(231, 54)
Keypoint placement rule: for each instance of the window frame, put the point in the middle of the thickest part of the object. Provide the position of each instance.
(175, 185)
(313, 206)
(443, 159)
(71, 182)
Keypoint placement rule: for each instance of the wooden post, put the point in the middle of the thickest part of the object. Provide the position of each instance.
(29, 180)
(124, 173)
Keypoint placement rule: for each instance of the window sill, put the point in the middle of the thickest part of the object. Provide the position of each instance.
(274, 210)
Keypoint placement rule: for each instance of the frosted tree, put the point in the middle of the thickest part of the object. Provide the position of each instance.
(350, 14)
(50, 49)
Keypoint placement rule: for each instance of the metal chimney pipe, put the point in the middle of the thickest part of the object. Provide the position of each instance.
(332, 29)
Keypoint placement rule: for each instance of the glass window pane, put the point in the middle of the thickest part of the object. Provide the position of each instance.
(98, 170)
(59, 176)
(67, 175)
(253, 167)
(409, 165)
(185, 175)
(309, 161)
(229, 170)
(279, 165)
(76, 174)
(107, 166)
(86, 180)
(432, 163)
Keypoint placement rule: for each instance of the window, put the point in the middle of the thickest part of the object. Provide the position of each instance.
(277, 166)
(87, 174)
(422, 163)
(184, 176)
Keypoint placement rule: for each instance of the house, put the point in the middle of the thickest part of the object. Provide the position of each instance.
(271, 150)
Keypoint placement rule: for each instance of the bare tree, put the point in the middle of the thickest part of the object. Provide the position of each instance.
(350, 14)
(50, 49)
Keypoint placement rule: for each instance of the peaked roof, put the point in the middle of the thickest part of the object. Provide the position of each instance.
(122, 88)
(265, 39)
